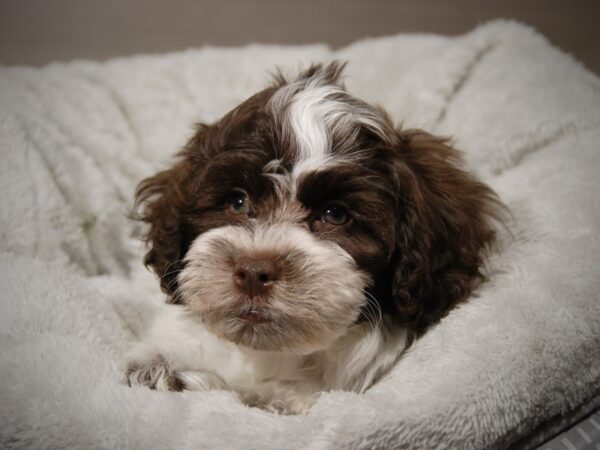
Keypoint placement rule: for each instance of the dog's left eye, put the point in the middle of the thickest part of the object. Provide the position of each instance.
(335, 215)
(238, 203)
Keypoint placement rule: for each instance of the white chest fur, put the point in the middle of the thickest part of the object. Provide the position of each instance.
(180, 344)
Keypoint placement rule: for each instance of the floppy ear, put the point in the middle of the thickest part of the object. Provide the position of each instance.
(160, 203)
(443, 231)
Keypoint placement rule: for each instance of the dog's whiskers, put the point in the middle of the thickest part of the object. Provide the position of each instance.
(375, 315)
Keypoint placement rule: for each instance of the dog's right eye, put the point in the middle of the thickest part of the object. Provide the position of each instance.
(334, 215)
(238, 203)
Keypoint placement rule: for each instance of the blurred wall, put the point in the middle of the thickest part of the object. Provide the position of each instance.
(35, 32)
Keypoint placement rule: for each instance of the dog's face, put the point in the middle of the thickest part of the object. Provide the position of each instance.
(303, 211)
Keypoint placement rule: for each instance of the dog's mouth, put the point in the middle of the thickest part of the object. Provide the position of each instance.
(254, 315)
(271, 324)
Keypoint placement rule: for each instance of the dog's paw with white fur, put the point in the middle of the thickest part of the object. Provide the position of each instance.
(155, 374)
(158, 374)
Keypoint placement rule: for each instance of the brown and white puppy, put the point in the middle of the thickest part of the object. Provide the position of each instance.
(306, 242)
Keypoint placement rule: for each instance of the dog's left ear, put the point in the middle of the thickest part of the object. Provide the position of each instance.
(443, 230)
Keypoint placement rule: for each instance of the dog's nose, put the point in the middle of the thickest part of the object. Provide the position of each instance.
(255, 276)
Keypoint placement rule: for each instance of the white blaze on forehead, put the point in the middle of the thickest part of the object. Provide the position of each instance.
(314, 117)
(313, 111)
(310, 115)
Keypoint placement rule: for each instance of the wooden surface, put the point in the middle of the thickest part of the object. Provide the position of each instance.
(35, 32)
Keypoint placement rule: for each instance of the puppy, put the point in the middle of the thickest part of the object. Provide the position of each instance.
(304, 242)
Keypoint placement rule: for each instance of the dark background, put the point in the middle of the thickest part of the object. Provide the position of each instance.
(35, 32)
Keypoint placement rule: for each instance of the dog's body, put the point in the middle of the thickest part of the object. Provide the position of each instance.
(180, 353)
(308, 242)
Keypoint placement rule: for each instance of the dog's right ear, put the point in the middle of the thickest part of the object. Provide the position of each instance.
(160, 202)
(447, 225)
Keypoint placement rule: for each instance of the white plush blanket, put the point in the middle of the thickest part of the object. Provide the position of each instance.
(76, 138)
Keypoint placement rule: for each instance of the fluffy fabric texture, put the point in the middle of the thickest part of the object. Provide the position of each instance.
(76, 138)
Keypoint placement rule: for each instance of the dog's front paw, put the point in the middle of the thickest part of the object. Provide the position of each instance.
(201, 380)
(158, 374)
(155, 374)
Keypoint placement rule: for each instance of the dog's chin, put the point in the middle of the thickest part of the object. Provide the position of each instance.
(264, 329)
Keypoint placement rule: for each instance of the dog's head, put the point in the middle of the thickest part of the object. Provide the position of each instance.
(303, 211)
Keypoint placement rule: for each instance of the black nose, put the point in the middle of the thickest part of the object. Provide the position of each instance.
(255, 276)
